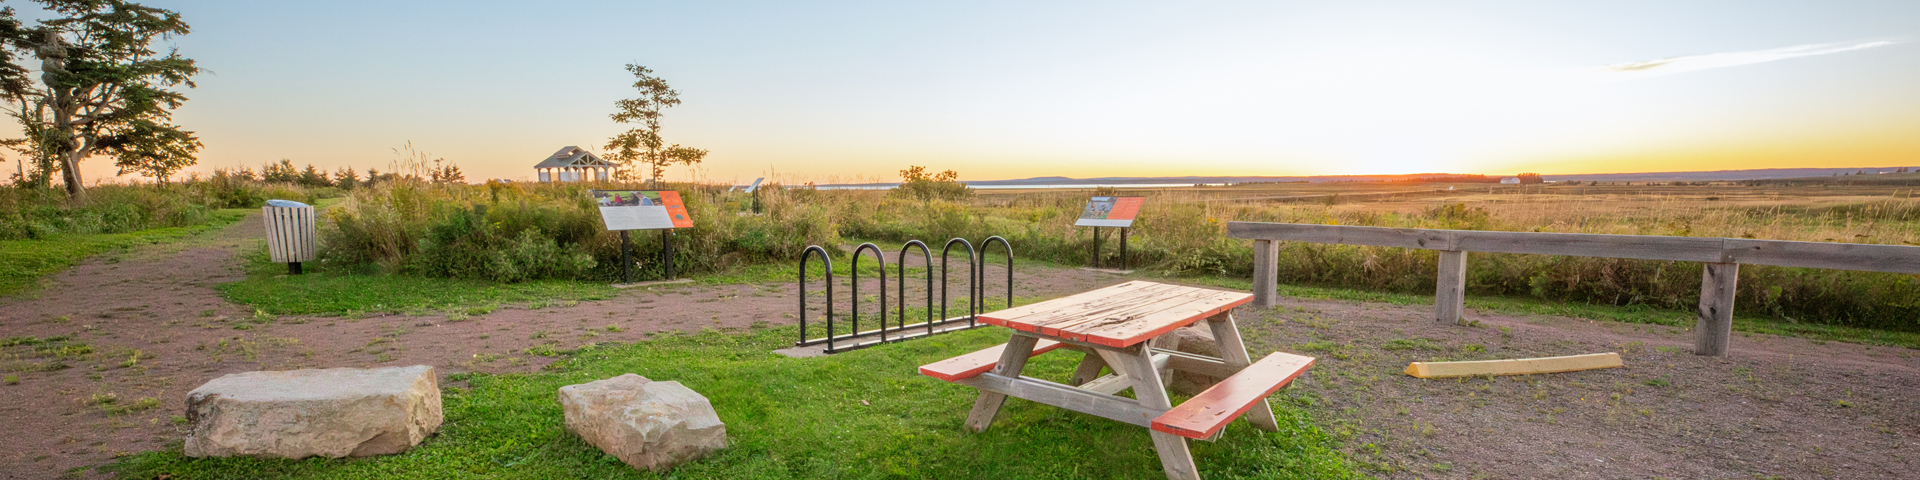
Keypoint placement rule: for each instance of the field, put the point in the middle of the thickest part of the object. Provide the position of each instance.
(111, 345)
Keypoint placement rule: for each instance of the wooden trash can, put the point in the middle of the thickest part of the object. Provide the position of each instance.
(290, 235)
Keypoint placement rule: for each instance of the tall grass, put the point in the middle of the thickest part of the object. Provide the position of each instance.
(512, 232)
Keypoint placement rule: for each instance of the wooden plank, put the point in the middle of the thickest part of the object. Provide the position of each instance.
(1109, 303)
(978, 362)
(1233, 352)
(1001, 317)
(1109, 384)
(1517, 366)
(305, 218)
(1121, 409)
(1205, 414)
(1075, 324)
(1158, 323)
(1013, 359)
(1450, 291)
(1341, 234)
(267, 216)
(1714, 325)
(1838, 256)
(1204, 365)
(1645, 247)
(1123, 308)
(1266, 273)
(287, 234)
(313, 243)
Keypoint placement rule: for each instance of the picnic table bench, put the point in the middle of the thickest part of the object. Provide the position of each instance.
(1115, 327)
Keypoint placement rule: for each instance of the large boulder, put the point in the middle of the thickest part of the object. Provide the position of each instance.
(335, 412)
(1198, 340)
(650, 425)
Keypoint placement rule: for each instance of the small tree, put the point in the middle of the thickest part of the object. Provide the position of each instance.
(448, 173)
(643, 145)
(346, 178)
(916, 183)
(314, 178)
(1526, 178)
(282, 172)
(103, 89)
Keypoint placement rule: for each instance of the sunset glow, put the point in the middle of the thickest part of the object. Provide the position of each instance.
(996, 90)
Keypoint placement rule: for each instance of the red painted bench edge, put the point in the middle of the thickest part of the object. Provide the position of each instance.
(1203, 399)
(992, 356)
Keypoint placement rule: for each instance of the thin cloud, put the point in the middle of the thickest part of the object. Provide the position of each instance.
(1688, 63)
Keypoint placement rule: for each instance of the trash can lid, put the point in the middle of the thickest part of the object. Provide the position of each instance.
(285, 203)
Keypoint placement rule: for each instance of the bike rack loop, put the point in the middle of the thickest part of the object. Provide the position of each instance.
(973, 281)
(984, 245)
(855, 270)
(928, 254)
(828, 262)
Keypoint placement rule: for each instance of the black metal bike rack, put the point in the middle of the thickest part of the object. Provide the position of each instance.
(900, 329)
(928, 255)
(827, 262)
(983, 262)
(973, 281)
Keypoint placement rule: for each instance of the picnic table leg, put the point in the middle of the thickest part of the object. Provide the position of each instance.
(1165, 342)
(1088, 370)
(1012, 360)
(1226, 333)
(1137, 364)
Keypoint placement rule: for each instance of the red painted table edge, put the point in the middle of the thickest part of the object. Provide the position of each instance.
(1120, 342)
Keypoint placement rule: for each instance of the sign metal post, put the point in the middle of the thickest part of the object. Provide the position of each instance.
(626, 210)
(1111, 212)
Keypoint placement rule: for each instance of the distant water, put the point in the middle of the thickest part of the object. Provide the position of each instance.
(1085, 186)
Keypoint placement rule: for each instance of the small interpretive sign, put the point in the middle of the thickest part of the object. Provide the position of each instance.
(641, 209)
(1110, 212)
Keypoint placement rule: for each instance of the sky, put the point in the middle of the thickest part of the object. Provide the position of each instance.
(856, 91)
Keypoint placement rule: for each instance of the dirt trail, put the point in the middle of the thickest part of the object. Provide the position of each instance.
(1776, 406)
(160, 302)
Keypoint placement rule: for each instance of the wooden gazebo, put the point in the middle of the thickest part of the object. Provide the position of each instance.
(573, 164)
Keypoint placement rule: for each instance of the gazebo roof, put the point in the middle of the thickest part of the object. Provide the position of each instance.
(572, 156)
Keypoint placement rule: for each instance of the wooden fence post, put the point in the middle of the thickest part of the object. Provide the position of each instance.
(1450, 292)
(1715, 325)
(1266, 273)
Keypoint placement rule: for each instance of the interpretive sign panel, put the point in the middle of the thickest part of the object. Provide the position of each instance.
(1110, 212)
(641, 209)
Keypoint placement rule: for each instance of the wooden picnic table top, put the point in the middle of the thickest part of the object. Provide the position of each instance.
(1121, 315)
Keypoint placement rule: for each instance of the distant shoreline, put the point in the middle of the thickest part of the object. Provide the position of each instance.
(1170, 182)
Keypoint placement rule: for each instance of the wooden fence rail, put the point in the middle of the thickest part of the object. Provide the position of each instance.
(1722, 257)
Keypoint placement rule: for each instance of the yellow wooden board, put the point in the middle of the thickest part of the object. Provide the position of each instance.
(1517, 366)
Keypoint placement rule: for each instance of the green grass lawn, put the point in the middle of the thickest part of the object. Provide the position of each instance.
(24, 262)
(862, 414)
(321, 292)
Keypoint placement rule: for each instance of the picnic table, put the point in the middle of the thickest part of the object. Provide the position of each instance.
(1115, 327)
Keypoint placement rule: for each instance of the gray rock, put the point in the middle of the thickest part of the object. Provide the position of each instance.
(1198, 340)
(335, 412)
(650, 425)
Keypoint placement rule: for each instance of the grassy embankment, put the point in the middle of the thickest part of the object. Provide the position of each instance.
(24, 262)
(864, 414)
